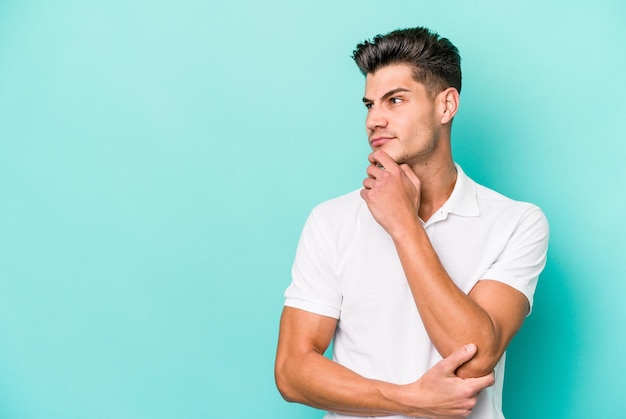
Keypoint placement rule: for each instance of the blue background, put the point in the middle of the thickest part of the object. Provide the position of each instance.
(158, 160)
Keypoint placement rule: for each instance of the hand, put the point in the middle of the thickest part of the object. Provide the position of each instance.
(392, 192)
(440, 393)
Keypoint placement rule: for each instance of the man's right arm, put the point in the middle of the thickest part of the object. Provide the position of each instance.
(305, 376)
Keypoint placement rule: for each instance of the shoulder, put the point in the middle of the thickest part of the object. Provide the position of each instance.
(339, 209)
(343, 202)
(340, 218)
(519, 215)
(489, 199)
(472, 199)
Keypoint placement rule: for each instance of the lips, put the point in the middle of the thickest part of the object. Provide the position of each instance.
(379, 141)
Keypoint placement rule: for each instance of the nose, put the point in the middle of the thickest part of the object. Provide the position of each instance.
(375, 118)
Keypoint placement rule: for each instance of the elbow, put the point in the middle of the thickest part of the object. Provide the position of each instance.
(483, 363)
(475, 369)
(283, 384)
(487, 356)
(285, 391)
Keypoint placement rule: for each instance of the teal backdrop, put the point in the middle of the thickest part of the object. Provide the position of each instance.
(158, 160)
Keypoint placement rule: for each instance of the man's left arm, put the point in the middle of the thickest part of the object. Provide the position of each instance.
(489, 315)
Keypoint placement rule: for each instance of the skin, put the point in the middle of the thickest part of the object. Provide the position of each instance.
(409, 131)
(305, 376)
(410, 175)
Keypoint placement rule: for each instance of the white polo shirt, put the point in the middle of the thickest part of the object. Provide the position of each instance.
(347, 267)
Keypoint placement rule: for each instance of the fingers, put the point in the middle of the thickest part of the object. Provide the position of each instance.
(459, 357)
(374, 171)
(381, 161)
(481, 383)
(381, 158)
(411, 175)
(368, 183)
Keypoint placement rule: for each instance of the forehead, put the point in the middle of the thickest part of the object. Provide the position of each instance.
(391, 77)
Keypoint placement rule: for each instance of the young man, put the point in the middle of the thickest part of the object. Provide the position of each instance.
(423, 277)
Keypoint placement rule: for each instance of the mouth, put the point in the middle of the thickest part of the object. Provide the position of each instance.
(379, 141)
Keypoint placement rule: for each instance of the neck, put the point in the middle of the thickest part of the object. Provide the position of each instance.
(437, 184)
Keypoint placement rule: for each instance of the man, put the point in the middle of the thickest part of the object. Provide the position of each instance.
(423, 277)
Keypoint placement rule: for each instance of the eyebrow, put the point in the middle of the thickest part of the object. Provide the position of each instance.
(388, 94)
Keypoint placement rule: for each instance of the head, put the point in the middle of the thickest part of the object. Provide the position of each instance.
(435, 61)
(412, 84)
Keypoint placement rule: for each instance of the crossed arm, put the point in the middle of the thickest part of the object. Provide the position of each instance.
(305, 376)
(489, 317)
(492, 312)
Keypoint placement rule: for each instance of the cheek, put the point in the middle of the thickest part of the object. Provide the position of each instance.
(419, 128)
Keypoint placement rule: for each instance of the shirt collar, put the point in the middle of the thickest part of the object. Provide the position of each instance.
(463, 200)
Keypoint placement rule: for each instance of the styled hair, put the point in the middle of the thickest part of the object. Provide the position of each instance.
(435, 60)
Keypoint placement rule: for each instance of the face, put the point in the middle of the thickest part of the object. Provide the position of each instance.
(402, 118)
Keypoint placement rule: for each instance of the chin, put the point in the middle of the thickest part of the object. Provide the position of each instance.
(399, 159)
(395, 155)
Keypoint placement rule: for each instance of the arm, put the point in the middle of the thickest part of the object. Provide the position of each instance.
(489, 316)
(304, 375)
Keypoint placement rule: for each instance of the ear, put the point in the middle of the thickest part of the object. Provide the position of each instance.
(449, 102)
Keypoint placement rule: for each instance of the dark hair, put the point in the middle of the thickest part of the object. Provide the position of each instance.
(436, 60)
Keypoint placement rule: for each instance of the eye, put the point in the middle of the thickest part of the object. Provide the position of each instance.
(368, 105)
(395, 100)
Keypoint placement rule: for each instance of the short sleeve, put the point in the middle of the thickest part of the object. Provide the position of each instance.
(524, 256)
(314, 286)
